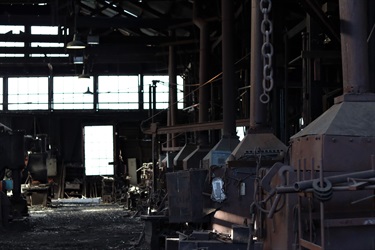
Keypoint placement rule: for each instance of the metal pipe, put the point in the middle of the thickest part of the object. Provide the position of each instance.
(354, 49)
(303, 185)
(204, 89)
(229, 110)
(172, 93)
(306, 85)
(257, 109)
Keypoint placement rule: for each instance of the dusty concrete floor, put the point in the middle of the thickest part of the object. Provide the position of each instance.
(75, 227)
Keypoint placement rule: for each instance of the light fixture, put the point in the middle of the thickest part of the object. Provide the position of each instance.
(85, 74)
(85, 78)
(75, 44)
(88, 91)
(78, 59)
(91, 39)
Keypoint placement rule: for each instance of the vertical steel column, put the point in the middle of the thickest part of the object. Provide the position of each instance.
(229, 110)
(154, 146)
(50, 91)
(204, 90)
(171, 141)
(306, 79)
(285, 132)
(95, 92)
(140, 92)
(371, 43)
(257, 109)
(354, 49)
(5, 93)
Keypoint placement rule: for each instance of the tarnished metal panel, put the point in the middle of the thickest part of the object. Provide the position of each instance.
(351, 118)
(348, 153)
(332, 153)
(267, 143)
(185, 195)
(306, 153)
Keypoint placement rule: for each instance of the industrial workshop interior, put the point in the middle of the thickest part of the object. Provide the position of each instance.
(187, 124)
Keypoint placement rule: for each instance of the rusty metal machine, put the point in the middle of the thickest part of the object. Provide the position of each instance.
(329, 197)
(318, 193)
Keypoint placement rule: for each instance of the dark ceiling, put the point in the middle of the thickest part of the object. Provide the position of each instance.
(134, 35)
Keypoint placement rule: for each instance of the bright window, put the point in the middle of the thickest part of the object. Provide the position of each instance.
(241, 132)
(47, 44)
(28, 93)
(98, 149)
(12, 44)
(162, 91)
(44, 30)
(71, 92)
(49, 55)
(15, 29)
(118, 92)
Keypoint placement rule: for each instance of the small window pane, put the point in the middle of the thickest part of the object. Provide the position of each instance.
(28, 93)
(44, 30)
(47, 44)
(70, 92)
(162, 91)
(15, 29)
(118, 92)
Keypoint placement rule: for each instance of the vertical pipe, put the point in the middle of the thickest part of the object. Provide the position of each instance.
(371, 43)
(5, 94)
(150, 114)
(204, 89)
(140, 92)
(50, 91)
(354, 49)
(286, 100)
(96, 94)
(154, 98)
(306, 88)
(257, 109)
(171, 141)
(229, 84)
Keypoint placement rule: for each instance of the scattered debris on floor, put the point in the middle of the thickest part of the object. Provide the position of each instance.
(75, 226)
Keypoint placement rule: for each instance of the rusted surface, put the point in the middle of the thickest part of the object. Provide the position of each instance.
(185, 195)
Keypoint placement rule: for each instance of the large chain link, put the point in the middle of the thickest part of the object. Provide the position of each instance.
(267, 51)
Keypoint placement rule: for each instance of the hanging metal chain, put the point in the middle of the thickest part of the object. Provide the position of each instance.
(267, 51)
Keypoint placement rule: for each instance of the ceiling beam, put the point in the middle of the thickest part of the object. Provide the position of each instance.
(94, 22)
(137, 40)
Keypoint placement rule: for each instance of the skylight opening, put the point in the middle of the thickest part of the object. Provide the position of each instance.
(44, 30)
(14, 29)
(47, 45)
(12, 44)
(12, 55)
(49, 55)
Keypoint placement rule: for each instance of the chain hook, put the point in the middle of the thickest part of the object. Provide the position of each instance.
(266, 50)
